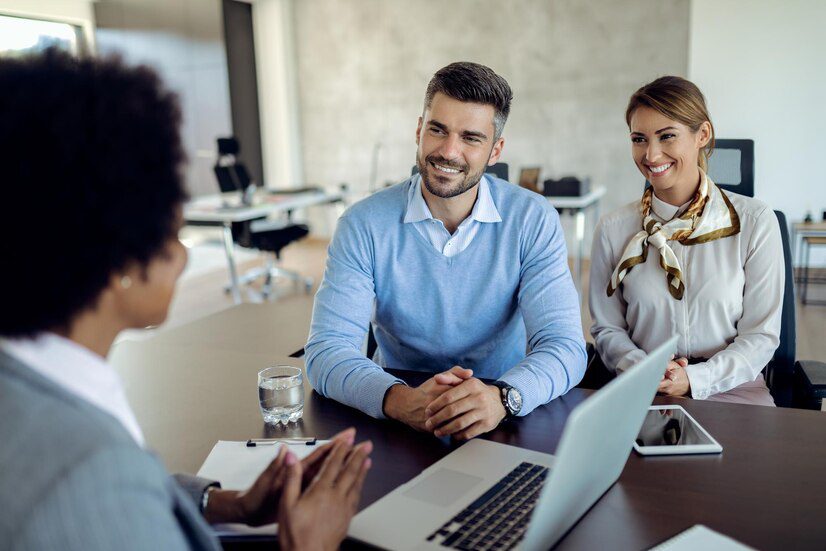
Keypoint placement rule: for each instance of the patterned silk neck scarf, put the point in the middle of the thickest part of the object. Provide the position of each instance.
(710, 216)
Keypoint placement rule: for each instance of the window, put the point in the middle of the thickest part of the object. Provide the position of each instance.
(20, 36)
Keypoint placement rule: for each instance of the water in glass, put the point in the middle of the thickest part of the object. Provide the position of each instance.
(281, 394)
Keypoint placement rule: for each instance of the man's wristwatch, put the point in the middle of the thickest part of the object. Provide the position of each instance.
(511, 399)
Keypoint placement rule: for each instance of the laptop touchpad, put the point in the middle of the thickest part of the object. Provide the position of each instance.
(443, 487)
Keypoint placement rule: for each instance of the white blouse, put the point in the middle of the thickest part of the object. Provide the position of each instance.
(730, 313)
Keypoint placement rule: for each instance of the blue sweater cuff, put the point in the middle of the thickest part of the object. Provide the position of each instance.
(371, 394)
(525, 383)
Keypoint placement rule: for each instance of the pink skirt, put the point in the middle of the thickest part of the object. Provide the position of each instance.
(754, 392)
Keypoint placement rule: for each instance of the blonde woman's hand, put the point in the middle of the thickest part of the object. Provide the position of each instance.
(675, 381)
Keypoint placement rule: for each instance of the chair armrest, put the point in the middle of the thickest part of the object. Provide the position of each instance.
(813, 374)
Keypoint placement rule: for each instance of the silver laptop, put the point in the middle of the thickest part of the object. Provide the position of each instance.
(486, 495)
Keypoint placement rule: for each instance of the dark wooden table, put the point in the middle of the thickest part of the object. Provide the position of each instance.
(767, 489)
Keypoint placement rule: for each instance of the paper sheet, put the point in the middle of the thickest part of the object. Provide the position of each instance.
(236, 466)
(701, 537)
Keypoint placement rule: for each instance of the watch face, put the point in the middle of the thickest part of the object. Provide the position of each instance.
(514, 400)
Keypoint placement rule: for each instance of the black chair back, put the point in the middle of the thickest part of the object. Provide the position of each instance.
(500, 170)
(731, 166)
(228, 146)
(231, 173)
(779, 373)
(226, 179)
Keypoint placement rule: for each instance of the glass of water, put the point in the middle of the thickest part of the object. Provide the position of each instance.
(281, 394)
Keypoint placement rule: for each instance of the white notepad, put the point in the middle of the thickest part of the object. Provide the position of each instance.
(701, 537)
(236, 466)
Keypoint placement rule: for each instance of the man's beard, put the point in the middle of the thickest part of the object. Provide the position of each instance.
(447, 191)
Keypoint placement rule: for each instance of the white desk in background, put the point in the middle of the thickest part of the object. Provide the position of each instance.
(802, 230)
(577, 207)
(222, 209)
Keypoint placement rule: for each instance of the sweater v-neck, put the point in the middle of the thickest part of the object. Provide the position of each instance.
(449, 260)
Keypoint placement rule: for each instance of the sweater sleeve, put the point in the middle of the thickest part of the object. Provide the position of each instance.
(336, 366)
(549, 305)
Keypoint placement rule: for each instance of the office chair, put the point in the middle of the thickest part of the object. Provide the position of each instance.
(779, 373)
(802, 383)
(731, 166)
(268, 237)
(732, 169)
(500, 170)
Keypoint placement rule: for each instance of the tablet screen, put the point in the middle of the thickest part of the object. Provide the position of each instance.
(670, 427)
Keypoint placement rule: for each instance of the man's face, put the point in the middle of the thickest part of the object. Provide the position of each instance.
(456, 144)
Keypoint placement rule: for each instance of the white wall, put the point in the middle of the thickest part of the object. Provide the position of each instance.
(277, 93)
(761, 65)
(76, 12)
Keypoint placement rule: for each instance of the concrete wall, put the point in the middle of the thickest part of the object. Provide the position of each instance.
(363, 66)
(184, 41)
(761, 66)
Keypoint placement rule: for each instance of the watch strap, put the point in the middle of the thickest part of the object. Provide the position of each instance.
(503, 395)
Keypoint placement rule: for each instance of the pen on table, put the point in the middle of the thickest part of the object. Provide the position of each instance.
(307, 441)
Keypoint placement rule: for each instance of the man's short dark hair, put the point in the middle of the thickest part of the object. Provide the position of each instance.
(472, 82)
(91, 182)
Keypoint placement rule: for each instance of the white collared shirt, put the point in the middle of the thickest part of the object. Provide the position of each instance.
(79, 371)
(729, 314)
(666, 211)
(418, 214)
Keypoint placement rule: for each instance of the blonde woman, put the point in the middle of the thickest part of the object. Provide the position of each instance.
(688, 259)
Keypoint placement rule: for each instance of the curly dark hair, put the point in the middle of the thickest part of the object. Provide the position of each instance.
(90, 169)
(468, 81)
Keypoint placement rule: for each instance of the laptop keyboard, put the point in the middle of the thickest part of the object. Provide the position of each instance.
(499, 518)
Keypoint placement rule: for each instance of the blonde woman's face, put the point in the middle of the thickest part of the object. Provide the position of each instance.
(666, 151)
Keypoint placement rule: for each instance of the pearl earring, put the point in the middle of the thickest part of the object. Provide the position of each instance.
(126, 282)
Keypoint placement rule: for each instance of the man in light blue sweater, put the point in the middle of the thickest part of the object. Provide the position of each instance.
(459, 273)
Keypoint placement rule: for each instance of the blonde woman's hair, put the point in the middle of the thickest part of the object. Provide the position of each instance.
(679, 100)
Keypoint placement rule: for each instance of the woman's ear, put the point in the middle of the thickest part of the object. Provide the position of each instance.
(121, 281)
(703, 134)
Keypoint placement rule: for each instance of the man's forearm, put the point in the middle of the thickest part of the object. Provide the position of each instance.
(396, 401)
(338, 371)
